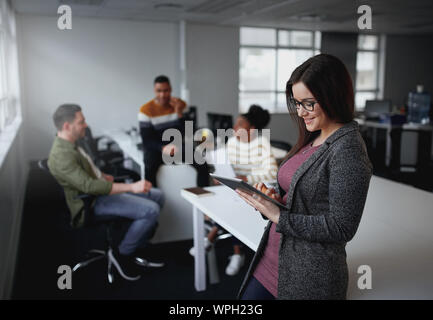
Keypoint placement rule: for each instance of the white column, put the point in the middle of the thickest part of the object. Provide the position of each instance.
(184, 92)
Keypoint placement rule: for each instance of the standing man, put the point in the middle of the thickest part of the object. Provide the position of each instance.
(76, 173)
(159, 114)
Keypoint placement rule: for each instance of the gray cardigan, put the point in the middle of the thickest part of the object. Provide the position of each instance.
(325, 204)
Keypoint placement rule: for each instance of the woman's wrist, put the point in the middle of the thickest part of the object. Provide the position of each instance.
(276, 218)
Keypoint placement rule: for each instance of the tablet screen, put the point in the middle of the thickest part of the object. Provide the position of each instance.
(235, 183)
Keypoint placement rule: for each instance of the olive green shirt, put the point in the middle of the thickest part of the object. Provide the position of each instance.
(74, 173)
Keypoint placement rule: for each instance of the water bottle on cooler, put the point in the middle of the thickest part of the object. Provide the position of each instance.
(419, 106)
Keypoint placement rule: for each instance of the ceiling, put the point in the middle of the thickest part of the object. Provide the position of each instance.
(389, 16)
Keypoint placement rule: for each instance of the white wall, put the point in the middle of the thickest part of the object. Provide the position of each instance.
(106, 66)
(212, 69)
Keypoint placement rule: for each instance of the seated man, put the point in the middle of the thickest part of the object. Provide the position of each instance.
(159, 114)
(76, 172)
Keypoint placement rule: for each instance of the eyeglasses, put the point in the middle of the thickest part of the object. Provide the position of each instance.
(307, 105)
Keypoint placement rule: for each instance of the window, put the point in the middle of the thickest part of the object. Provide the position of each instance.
(3, 95)
(267, 58)
(10, 113)
(367, 70)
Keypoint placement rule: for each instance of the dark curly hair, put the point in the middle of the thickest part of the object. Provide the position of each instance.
(257, 116)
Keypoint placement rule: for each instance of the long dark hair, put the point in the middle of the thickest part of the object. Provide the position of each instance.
(331, 85)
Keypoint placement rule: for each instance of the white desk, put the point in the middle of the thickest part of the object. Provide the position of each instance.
(395, 238)
(231, 213)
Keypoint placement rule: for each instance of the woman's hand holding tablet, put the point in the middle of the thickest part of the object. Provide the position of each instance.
(266, 200)
(270, 192)
(263, 205)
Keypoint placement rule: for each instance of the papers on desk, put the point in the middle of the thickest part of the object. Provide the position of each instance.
(219, 159)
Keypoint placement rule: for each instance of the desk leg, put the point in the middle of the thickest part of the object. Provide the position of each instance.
(374, 142)
(199, 259)
(388, 148)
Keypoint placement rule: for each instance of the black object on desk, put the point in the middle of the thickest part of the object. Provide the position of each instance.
(219, 121)
(375, 108)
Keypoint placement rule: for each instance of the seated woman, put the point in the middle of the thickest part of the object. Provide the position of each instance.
(251, 158)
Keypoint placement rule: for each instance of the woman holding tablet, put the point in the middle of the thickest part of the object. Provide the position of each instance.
(323, 182)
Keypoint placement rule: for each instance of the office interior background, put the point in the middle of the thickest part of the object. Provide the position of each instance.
(221, 57)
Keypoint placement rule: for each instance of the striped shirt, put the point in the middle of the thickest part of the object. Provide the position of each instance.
(253, 160)
(154, 119)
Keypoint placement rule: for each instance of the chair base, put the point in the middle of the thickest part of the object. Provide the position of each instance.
(112, 261)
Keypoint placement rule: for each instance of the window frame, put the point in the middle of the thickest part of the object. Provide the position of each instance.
(378, 90)
(316, 50)
(10, 101)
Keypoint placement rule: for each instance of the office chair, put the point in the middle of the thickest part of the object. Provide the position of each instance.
(101, 158)
(219, 121)
(109, 223)
(108, 160)
(281, 145)
(191, 115)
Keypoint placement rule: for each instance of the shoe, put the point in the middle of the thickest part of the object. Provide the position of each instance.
(150, 261)
(235, 264)
(207, 246)
(125, 265)
(146, 263)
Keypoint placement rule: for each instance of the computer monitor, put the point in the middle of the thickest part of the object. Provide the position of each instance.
(219, 121)
(375, 108)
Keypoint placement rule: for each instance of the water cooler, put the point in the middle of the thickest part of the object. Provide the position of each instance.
(418, 106)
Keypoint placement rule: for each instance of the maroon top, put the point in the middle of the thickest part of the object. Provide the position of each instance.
(267, 269)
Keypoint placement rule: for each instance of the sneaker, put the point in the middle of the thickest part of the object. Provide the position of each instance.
(235, 264)
(150, 261)
(207, 246)
(125, 265)
(146, 263)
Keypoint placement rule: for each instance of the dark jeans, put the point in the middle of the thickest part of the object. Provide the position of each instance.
(153, 159)
(142, 209)
(256, 291)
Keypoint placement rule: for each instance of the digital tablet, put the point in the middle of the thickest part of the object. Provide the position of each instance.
(235, 183)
